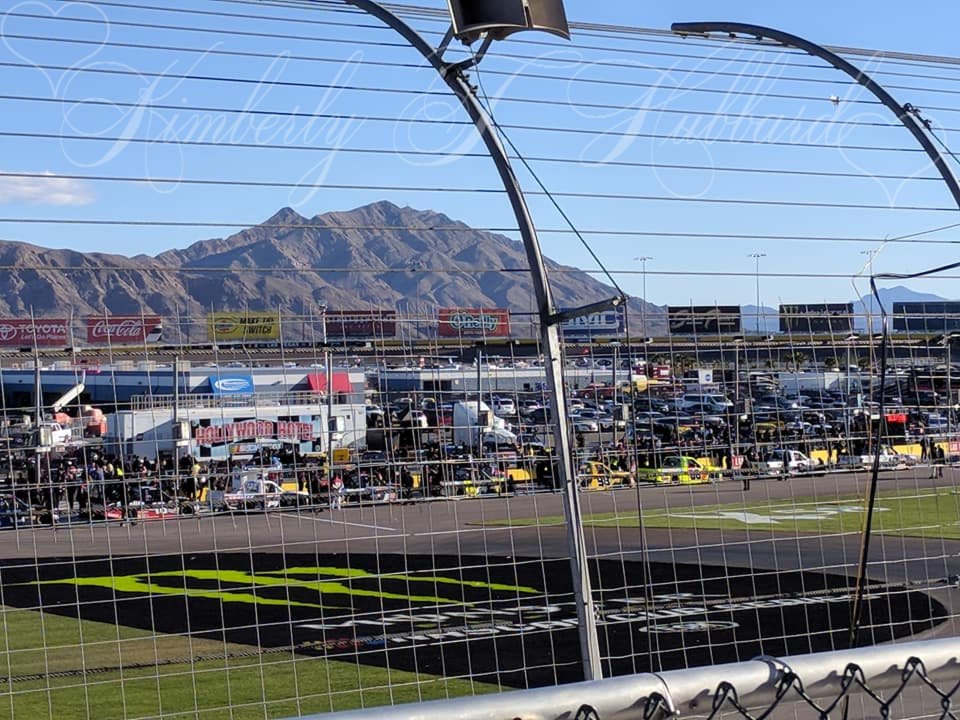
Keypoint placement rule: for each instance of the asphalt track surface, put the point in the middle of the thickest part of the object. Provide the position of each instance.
(433, 586)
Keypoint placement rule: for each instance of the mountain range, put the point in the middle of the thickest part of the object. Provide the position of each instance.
(376, 256)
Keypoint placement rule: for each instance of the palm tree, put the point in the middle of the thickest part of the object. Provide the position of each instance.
(682, 363)
(798, 358)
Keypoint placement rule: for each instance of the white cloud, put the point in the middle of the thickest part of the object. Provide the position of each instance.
(46, 190)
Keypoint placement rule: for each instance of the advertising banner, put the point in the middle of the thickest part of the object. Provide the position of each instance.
(704, 319)
(608, 322)
(926, 317)
(818, 318)
(360, 324)
(215, 434)
(41, 332)
(123, 329)
(474, 322)
(231, 385)
(249, 326)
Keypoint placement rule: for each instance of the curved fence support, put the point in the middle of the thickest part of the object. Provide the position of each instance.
(906, 113)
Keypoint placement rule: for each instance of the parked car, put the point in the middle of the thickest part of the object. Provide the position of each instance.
(503, 405)
(15, 513)
(585, 425)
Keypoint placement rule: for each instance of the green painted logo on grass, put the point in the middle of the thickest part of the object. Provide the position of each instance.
(313, 587)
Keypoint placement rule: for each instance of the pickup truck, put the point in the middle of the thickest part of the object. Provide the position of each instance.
(890, 459)
(676, 469)
(595, 475)
(254, 493)
(788, 462)
(53, 434)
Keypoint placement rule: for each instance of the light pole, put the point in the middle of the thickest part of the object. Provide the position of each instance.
(414, 267)
(328, 368)
(493, 20)
(947, 341)
(642, 259)
(756, 271)
(616, 395)
(870, 255)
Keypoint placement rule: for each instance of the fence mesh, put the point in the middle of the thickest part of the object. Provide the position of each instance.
(309, 465)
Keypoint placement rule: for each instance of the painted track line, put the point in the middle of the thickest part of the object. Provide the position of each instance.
(344, 522)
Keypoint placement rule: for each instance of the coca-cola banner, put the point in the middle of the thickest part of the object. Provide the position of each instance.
(41, 332)
(123, 329)
(474, 322)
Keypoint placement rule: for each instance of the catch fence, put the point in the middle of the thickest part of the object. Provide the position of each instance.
(318, 468)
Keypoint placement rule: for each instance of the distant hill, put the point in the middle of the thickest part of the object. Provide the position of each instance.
(770, 319)
(376, 256)
(888, 296)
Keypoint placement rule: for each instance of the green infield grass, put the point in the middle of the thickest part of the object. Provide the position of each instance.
(57, 667)
(923, 513)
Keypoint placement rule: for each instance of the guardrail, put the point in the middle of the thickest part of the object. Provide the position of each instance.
(820, 681)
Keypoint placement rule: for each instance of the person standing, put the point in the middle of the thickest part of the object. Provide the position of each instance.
(939, 458)
(336, 493)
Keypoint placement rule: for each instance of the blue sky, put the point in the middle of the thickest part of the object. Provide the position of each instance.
(623, 128)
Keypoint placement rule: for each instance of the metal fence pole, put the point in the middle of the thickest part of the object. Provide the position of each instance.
(453, 75)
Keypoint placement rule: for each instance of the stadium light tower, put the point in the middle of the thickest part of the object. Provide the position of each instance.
(490, 20)
(756, 271)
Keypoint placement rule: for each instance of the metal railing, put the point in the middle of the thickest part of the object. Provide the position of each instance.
(820, 682)
(210, 401)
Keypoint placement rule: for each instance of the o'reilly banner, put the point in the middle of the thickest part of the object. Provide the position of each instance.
(474, 322)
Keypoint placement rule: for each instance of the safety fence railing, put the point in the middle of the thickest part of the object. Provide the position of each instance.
(909, 680)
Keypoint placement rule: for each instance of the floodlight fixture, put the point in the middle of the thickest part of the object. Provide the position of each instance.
(496, 19)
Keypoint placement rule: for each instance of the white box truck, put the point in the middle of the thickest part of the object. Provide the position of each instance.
(474, 421)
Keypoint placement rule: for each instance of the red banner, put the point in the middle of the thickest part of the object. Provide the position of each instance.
(42, 332)
(360, 324)
(474, 322)
(123, 329)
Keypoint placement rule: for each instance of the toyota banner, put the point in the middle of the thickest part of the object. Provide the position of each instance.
(40, 332)
(474, 322)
